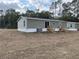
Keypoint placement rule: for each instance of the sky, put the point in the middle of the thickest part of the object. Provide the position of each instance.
(23, 5)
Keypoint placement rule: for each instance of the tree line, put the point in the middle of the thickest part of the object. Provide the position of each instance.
(70, 11)
(9, 20)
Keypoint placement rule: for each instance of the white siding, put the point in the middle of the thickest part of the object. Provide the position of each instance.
(35, 24)
(71, 25)
(32, 25)
(54, 24)
(21, 23)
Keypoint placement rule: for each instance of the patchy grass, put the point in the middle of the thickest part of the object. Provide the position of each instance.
(57, 45)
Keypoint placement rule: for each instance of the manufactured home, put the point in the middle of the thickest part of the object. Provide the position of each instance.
(29, 24)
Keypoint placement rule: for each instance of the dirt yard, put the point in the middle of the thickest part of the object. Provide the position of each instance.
(18, 45)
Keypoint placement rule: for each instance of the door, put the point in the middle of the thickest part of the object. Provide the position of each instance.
(46, 24)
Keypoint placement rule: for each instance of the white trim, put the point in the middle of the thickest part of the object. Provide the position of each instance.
(35, 30)
(56, 29)
(31, 30)
(72, 29)
(44, 29)
(27, 30)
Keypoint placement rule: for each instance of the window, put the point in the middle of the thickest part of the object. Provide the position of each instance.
(24, 23)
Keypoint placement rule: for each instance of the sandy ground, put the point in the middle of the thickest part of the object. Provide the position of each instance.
(57, 45)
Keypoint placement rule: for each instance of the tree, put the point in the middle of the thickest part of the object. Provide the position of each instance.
(10, 19)
(67, 9)
(53, 8)
(59, 3)
(70, 11)
(43, 14)
(30, 13)
(75, 7)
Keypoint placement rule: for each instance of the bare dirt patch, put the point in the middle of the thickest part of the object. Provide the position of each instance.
(57, 45)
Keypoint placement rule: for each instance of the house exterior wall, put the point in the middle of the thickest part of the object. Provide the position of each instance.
(63, 24)
(71, 25)
(57, 24)
(41, 24)
(77, 25)
(31, 25)
(54, 24)
(21, 23)
(35, 24)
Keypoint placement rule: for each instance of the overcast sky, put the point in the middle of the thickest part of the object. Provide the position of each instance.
(24, 4)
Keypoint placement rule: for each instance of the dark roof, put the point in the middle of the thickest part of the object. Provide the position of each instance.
(32, 18)
(42, 19)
